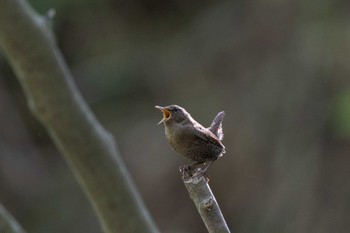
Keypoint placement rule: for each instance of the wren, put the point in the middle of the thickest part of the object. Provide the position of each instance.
(190, 139)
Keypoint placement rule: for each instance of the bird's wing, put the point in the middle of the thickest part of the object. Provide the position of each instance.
(216, 125)
(208, 136)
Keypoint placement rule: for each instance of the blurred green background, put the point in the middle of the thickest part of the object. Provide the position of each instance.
(280, 70)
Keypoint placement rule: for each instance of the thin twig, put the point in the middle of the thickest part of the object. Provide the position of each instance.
(88, 148)
(206, 204)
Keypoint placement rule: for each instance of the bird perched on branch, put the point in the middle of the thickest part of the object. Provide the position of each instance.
(191, 139)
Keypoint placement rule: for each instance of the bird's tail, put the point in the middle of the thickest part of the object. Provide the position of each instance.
(216, 125)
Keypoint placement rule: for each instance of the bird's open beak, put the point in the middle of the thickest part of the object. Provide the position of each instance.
(166, 113)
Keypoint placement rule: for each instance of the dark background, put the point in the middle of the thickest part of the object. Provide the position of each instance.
(280, 70)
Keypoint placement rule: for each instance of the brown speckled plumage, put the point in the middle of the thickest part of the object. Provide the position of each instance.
(191, 139)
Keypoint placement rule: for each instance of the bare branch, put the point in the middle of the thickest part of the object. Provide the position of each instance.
(207, 206)
(7, 223)
(53, 97)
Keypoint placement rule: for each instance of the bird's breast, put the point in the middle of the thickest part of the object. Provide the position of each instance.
(178, 138)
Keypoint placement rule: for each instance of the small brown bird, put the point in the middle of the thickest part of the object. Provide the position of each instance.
(191, 139)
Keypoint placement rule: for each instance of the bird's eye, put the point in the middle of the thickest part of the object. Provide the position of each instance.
(175, 109)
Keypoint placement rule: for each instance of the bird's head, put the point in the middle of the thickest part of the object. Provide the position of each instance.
(173, 113)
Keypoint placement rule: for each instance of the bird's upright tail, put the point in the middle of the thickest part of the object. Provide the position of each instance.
(216, 125)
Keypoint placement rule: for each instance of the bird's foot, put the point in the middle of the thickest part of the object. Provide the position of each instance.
(187, 170)
(200, 172)
(190, 171)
